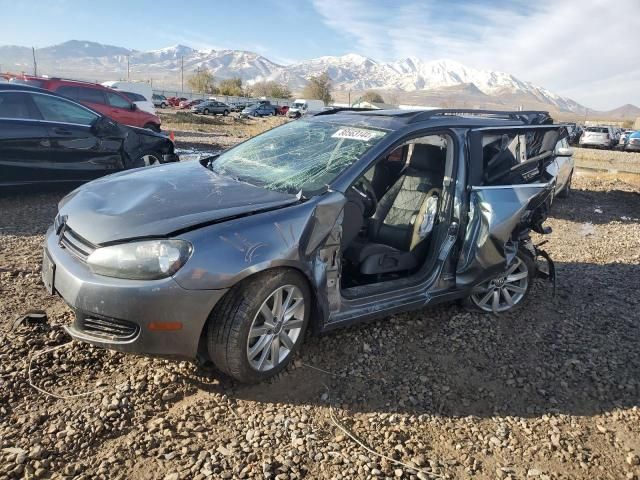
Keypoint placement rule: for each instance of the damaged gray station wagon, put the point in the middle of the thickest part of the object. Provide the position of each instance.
(337, 218)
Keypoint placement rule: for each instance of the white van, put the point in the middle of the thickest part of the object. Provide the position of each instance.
(139, 93)
(303, 107)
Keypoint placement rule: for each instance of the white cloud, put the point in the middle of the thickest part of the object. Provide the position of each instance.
(585, 50)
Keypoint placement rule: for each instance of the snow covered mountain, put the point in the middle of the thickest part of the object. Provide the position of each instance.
(411, 76)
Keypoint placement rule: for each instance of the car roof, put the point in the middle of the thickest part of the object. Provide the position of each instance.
(28, 88)
(20, 87)
(394, 119)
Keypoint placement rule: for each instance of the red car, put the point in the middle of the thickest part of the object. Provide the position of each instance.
(105, 100)
(189, 103)
(175, 101)
(282, 109)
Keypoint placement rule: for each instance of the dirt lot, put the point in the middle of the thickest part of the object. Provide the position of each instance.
(547, 392)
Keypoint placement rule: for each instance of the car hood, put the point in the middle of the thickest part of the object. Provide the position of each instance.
(158, 201)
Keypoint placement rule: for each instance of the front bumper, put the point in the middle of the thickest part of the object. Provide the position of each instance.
(632, 146)
(119, 314)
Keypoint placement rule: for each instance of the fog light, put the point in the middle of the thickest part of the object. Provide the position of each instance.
(164, 326)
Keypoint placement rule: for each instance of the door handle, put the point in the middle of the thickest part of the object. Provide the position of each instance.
(62, 131)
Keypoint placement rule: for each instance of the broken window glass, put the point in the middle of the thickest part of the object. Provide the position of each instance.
(299, 156)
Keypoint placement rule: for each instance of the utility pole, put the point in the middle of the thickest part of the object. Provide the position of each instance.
(182, 73)
(128, 71)
(35, 64)
(349, 97)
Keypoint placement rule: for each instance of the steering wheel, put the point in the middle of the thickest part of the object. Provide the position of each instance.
(365, 190)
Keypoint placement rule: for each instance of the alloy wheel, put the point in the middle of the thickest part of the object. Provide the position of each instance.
(276, 328)
(504, 291)
(150, 159)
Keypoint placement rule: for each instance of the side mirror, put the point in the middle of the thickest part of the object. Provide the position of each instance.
(134, 107)
(564, 152)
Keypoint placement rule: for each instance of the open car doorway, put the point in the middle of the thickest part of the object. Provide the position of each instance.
(393, 211)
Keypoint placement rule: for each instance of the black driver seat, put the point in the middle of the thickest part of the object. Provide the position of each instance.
(394, 242)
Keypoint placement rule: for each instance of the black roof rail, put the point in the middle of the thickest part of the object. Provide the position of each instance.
(530, 117)
(333, 110)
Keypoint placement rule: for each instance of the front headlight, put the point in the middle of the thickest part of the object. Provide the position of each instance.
(146, 260)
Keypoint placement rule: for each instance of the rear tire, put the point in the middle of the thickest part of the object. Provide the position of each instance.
(247, 335)
(490, 296)
(225, 113)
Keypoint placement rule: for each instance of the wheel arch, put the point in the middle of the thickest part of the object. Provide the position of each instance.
(315, 317)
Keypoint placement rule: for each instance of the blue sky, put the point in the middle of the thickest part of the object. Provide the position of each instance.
(585, 49)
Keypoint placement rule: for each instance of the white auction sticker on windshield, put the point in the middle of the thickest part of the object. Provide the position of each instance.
(361, 134)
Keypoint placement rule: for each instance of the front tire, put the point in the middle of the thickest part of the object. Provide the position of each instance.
(225, 113)
(206, 111)
(508, 290)
(255, 331)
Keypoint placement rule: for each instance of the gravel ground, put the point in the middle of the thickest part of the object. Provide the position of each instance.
(550, 391)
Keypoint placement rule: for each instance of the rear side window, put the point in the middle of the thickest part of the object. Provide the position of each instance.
(117, 101)
(597, 129)
(16, 105)
(90, 95)
(71, 92)
(54, 109)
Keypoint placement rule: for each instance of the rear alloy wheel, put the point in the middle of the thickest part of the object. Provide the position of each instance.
(507, 290)
(254, 332)
(225, 113)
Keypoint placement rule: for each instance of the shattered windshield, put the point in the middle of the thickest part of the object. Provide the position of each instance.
(299, 156)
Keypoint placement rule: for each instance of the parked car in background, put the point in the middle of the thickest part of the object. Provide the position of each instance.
(624, 137)
(238, 106)
(633, 142)
(160, 101)
(141, 102)
(282, 109)
(282, 246)
(48, 138)
(211, 107)
(175, 101)
(602, 137)
(302, 107)
(259, 110)
(575, 132)
(105, 100)
(185, 104)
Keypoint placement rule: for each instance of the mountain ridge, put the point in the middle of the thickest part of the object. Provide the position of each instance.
(410, 77)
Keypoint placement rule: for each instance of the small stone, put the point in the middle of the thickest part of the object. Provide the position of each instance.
(168, 396)
(533, 472)
(172, 476)
(398, 472)
(633, 459)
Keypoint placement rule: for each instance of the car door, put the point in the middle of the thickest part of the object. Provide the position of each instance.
(76, 152)
(510, 191)
(24, 141)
